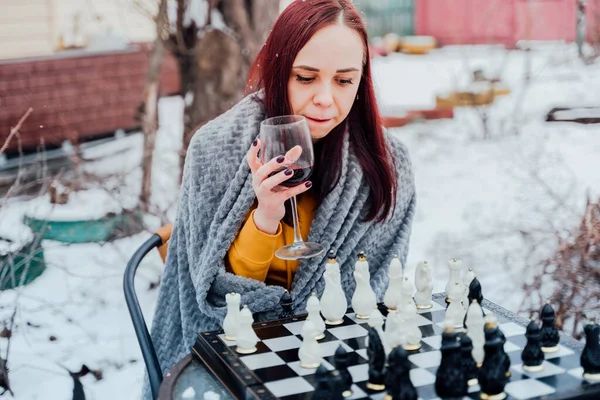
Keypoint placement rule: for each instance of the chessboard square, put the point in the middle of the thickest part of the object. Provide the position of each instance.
(228, 343)
(567, 362)
(271, 332)
(421, 377)
(288, 355)
(563, 382)
(519, 340)
(353, 317)
(434, 341)
(356, 343)
(527, 389)
(357, 393)
(510, 347)
(362, 353)
(431, 330)
(290, 386)
(301, 371)
(295, 328)
(347, 332)
(329, 348)
(512, 329)
(435, 316)
(435, 307)
(562, 352)
(549, 369)
(262, 360)
(422, 321)
(360, 373)
(275, 373)
(426, 360)
(576, 372)
(283, 343)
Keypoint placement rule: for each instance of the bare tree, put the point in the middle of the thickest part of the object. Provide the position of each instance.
(214, 60)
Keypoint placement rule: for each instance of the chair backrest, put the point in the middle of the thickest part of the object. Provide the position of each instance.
(158, 240)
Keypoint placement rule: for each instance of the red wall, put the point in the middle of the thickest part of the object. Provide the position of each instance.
(75, 94)
(498, 21)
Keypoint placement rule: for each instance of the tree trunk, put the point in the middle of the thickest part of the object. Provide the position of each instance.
(150, 105)
(215, 74)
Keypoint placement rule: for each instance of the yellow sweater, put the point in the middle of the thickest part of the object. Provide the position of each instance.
(252, 253)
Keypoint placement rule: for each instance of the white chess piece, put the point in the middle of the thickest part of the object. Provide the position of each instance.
(232, 319)
(406, 296)
(393, 294)
(455, 313)
(309, 352)
(393, 329)
(246, 338)
(376, 322)
(455, 267)
(333, 300)
(314, 308)
(411, 334)
(469, 276)
(364, 300)
(475, 330)
(424, 285)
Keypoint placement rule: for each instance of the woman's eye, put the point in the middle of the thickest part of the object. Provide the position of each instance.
(304, 79)
(345, 81)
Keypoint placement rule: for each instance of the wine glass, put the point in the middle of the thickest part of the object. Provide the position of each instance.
(278, 135)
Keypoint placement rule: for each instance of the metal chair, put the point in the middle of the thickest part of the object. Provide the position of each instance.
(158, 240)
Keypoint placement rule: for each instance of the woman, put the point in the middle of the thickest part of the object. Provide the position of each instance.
(361, 195)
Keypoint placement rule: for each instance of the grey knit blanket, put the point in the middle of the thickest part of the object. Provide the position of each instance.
(216, 196)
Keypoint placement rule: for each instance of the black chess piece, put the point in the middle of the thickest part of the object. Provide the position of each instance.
(376, 356)
(532, 355)
(286, 306)
(467, 362)
(397, 378)
(590, 356)
(450, 380)
(475, 292)
(493, 375)
(549, 333)
(340, 359)
(505, 358)
(323, 390)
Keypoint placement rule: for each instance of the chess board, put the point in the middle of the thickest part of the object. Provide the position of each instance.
(273, 371)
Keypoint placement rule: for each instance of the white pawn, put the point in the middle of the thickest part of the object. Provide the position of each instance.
(314, 308)
(309, 352)
(364, 300)
(333, 300)
(455, 313)
(469, 276)
(424, 285)
(246, 338)
(475, 330)
(393, 329)
(455, 266)
(232, 319)
(411, 334)
(392, 296)
(376, 322)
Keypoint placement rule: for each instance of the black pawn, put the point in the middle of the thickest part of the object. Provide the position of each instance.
(505, 357)
(467, 362)
(450, 380)
(286, 306)
(549, 333)
(475, 292)
(397, 378)
(590, 356)
(376, 356)
(532, 355)
(493, 375)
(340, 359)
(323, 389)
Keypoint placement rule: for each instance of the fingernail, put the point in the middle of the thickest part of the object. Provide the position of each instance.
(308, 184)
(288, 172)
(255, 143)
(280, 159)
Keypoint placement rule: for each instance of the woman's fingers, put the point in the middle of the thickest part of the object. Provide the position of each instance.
(296, 190)
(252, 156)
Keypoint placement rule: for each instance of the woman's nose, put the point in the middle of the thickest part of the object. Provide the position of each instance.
(324, 96)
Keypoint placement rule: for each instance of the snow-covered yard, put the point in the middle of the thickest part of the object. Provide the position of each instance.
(474, 197)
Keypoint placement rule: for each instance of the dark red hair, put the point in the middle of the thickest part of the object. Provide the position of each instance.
(271, 70)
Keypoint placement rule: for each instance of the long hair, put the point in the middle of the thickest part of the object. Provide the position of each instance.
(272, 67)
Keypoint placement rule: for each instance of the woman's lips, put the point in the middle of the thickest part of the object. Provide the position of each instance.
(318, 121)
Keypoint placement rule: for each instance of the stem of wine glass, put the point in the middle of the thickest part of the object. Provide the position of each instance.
(297, 238)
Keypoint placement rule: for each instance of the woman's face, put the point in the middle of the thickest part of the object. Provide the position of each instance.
(325, 76)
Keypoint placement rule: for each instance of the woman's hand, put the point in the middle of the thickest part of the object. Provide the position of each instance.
(266, 180)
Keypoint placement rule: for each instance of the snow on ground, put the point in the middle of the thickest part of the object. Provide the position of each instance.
(473, 195)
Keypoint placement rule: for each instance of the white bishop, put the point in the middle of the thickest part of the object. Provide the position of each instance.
(232, 319)
(364, 300)
(393, 294)
(333, 299)
(313, 308)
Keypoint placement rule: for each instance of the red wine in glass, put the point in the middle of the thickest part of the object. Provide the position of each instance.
(301, 175)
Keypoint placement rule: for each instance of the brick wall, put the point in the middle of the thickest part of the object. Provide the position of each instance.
(76, 95)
